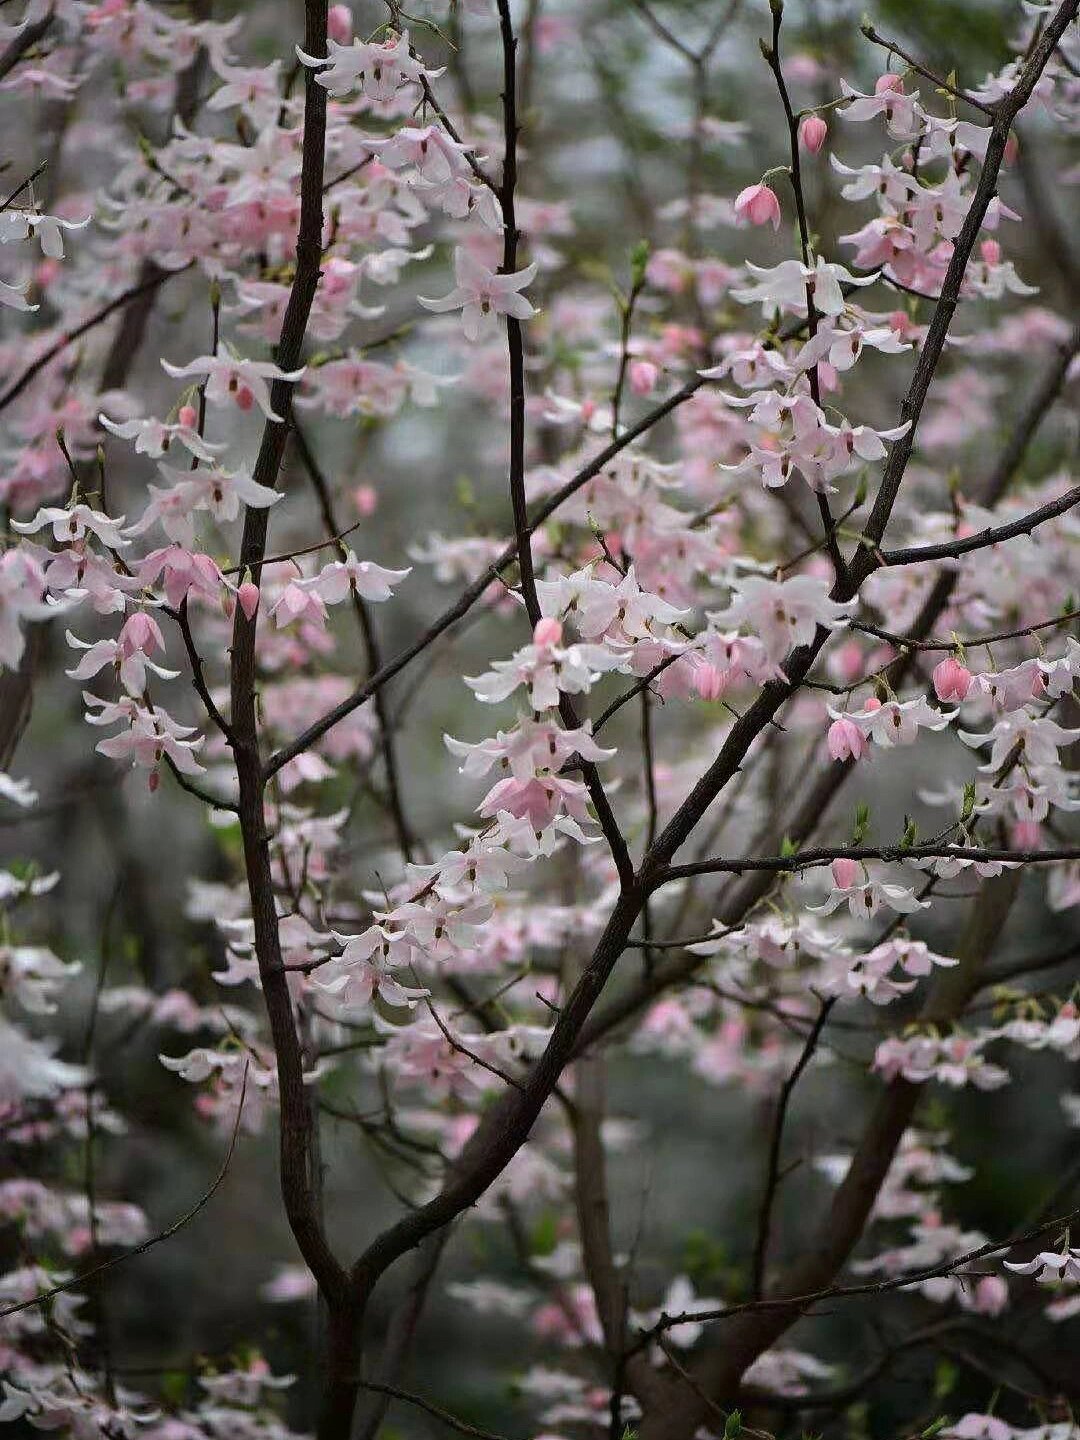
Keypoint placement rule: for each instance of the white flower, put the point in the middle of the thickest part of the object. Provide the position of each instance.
(380, 70)
(242, 381)
(897, 722)
(72, 525)
(1048, 1267)
(337, 580)
(787, 284)
(784, 613)
(866, 899)
(17, 225)
(482, 294)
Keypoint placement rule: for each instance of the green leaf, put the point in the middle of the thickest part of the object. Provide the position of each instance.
(639, 260)
(945, 1378)
(174, 1384)
(545, 1235)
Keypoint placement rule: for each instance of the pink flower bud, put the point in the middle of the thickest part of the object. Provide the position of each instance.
(991, 1295)
(990, 251)
(873, 703)
(849, 660)
(365, 499)
(759, 205)
(952, 681)
(1012, 150)
(812, 133)
(845, 873)
(339, 24)
(643, 377)
(248, 595)
(846, 741)
(187, 416)
(884, 83)
(828, 378)
(709, 682)
(244, 398)
(1025, 835)
(153, 780)
(900, 323)
(548, 632)
(45, 273)
(140, 632)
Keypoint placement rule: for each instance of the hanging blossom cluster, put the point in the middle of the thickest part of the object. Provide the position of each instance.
(745, 599)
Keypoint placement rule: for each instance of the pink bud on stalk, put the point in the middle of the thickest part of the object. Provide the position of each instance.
(548, 632)
(990, 251)
(845, 873)
(709, 682)
(1025, 835)
(952, 681)
(812, 133)
(339, 24)
(643, 377)
(248, 595)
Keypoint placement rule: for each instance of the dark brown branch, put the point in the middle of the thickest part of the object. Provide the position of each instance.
(23, 185)
(170, 1230)
(468, 598)
(25, 41)
(812, 1278)
(372, 655)
(968, 642)
(400, 1334)
(299, 1182)
(734, 907)
(772, 59)
(393, 1392)
(953, 549)
(198, 675)
(776, 1140)
(896, 854)
(873, 1287)
(69, 337)
(943, 85)
(1006, 112)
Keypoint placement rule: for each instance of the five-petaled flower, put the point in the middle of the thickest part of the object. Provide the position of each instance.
(482, 295)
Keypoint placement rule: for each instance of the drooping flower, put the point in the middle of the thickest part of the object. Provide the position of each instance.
(758, 205)
(243, 382)
(482, 295)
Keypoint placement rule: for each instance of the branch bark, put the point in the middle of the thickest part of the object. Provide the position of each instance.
(749, 1334)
